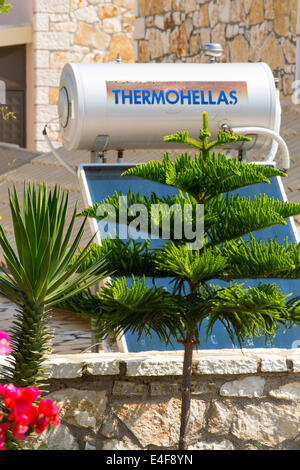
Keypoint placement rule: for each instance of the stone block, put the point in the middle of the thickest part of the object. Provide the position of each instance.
(139, 28)
(58, 438)
(203, 16)
(47, 77)
(102, 365)
(156, 366)
(289, 51)
(273, 364)
(289, 391)
(220, 418)
(227, 365)
(239, 49)
(213, 14)
(266, 423)
(108, 11)
(66, 26)
(52, 41)
(41, 59)
(120, 44)
(82, 408)
(159, 21)
(158, 423)
(117, 444)
(155, 43)
(55, 6)
(53, 95)
(144, 7)
(165, 389)
(256, 14)
(122, 387)
(129, 4)
(87, 14)
(60, 367)
(271, 52)
(41, 22)
(282, 17)
(156, 7)
(269, 9)
(59, 59)
(296, 363)
(143, 51)
(293, 16)
(251, 387)
(224, 10)
(111, 25)
(42, 95)
(189, 6)
(223, 444)
(90, 36)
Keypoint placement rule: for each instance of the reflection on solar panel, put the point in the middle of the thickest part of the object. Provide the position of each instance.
(101, 180)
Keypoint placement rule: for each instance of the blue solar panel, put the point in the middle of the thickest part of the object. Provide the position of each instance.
(101, 180)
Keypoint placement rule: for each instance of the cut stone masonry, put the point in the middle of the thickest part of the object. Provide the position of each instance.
(241, 400)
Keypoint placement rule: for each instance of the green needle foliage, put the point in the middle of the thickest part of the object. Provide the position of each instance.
(246, 313)
(40, 275)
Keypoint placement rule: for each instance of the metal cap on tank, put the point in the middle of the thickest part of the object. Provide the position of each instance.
(213, 50)
(63, 107)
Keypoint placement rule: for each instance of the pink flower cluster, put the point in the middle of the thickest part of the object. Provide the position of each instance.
(4, 343)
(18, 412)
(23, 414)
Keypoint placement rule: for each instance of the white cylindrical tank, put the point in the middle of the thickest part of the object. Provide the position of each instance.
(132, 106)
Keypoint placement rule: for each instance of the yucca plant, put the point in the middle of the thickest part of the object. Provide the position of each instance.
(192, 309)
(40, 275)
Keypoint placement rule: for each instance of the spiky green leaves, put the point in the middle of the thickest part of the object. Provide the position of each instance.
(125, 257)
(139, 309)
(182, 137)
(236, 216)
(204, 179)
(248, 313)
(40, 272)
(253, 259)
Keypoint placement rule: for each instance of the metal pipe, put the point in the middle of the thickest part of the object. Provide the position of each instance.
(57, 155)
(268, 132)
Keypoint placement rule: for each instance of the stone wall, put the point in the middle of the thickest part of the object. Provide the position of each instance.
(249, 30)
(241, 401)
(74, 31)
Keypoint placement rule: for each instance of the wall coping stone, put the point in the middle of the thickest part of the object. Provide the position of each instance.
(169, 363)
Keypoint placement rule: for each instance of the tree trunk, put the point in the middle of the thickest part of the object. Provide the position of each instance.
(186, 391)
(31, 344)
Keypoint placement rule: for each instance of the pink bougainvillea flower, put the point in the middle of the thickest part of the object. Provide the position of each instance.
(28, 394)
(23, 414)
(18, 436)
(20, 414)
(4, 343)
(9, 394)
(50, 411)
(3, 428)
(41, 425)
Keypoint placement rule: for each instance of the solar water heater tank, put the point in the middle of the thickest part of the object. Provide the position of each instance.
(131, 106)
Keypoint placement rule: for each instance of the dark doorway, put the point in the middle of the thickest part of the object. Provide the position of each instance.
(13, 74)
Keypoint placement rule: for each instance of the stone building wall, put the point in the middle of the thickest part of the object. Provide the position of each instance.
(74, 31)
(249, 30)
(246, 400)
